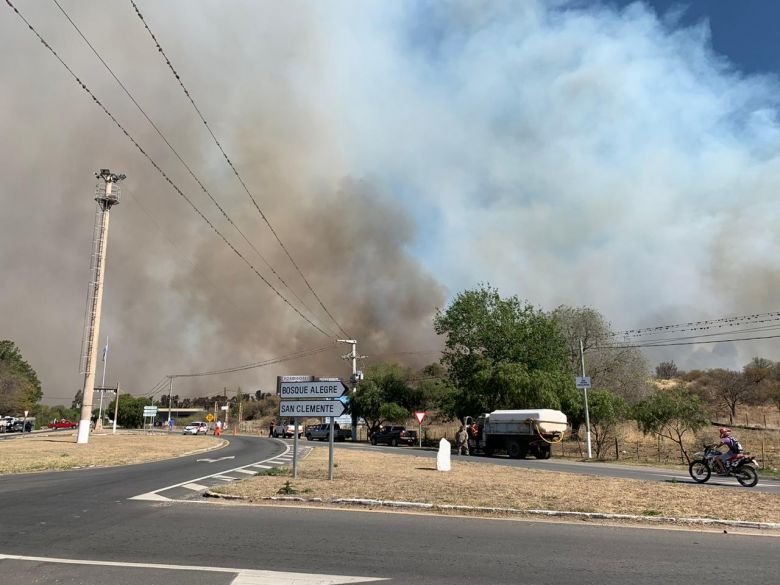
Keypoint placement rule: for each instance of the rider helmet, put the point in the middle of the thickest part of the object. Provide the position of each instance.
(724, 432)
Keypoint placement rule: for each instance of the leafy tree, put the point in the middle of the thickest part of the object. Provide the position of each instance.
(268, 406)
(671, 414)
(606, 411)
(502, 353)
(667, 371)
(434, 391)
(611, 366)
(131, 410)
(20, 388)
(384, 395)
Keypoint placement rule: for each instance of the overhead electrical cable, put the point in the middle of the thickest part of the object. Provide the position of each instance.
(161, 171)
(701, 325)
(232, 166)
(253, 365)
(667, 344)
(181, 160)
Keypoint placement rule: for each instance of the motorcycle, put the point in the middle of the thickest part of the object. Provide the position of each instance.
(743, 466)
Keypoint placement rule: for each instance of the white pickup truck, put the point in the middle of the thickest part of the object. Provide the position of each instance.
(287, 430)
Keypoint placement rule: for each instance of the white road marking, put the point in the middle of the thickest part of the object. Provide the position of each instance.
(261, 466)
(195, 487)
(243, 576)
(225, 478)
(153, 495)
(245, 471)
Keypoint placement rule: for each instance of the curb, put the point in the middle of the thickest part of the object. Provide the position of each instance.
(556, 513)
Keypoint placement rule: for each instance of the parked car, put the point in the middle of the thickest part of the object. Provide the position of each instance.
(62, 423)
(321, 432)
(196, 428)
(394, 435)
(19, 424)
(287, 430)
(5, 423)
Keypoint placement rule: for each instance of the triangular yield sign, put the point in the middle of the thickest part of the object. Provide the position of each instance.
(420, 416)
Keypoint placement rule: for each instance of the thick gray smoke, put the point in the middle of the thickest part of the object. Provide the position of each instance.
(177, 299)
(565, 152)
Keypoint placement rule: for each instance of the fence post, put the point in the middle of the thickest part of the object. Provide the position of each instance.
(763, 456)
(617, 452)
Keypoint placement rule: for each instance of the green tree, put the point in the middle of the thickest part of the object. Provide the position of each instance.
(20, 388)
(503, 353)
(607, 410)
(384, 395)
(131, 410)
(434, 391)
(671, 414)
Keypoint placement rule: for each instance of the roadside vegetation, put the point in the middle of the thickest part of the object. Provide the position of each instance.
(59, 452)
(503, 353)
(413, 479)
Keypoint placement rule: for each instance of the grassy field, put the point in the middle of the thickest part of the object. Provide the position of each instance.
(408, 478)
(59, 451)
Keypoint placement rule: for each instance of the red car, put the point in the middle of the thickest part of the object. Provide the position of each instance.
(62, 423)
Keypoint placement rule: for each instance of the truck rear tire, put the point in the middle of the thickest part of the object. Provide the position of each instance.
(544, 452)
(514, 450)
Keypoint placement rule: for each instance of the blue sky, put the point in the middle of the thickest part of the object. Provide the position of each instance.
(745, 31)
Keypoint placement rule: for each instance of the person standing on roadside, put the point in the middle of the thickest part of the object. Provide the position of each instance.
(218, 429)
(462, 440)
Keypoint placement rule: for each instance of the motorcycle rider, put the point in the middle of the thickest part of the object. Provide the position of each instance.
(733, 448)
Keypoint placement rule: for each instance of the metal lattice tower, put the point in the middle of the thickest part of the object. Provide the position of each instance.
(106, 195)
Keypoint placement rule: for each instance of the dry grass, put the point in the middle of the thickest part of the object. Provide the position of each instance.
(409, 478)
(55, 452)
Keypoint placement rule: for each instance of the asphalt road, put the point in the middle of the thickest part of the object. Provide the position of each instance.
(86, 515)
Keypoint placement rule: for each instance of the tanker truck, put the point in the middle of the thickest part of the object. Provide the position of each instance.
(518, 433)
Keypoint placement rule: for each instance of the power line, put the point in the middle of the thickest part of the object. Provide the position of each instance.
(656, 344)
(728, 322)
(181, 160)
(233, 168)
(253, 365)
(159, 169)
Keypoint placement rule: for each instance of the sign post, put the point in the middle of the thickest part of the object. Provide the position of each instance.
(151, 412)
(305, 396)
(420, 416)
(583, 383)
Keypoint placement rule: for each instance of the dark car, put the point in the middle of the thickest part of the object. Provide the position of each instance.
(394, 435)
(19, 426)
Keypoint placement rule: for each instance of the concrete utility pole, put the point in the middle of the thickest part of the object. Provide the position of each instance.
(353, 355)
(585, 390)
(107, 195)
(170, 394)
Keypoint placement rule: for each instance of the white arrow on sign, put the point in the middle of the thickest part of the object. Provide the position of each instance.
(311, 408)
(320, 389)
(218, 459)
